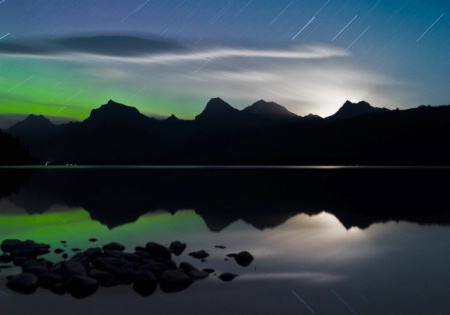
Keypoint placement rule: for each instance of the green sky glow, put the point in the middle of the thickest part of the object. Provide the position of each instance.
(72, 89)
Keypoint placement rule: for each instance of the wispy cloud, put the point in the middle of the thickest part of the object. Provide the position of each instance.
(298, 52)
(151, 50)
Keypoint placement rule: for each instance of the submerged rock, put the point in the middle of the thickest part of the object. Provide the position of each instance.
(227, 276)
(201, 254)
(244, 258)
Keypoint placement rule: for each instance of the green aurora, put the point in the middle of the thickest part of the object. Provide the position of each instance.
(67, 90)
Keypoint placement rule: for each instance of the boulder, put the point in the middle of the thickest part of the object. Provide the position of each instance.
(104, 279)
(5, 258)
(145, 282)
(177, 247)
(158, 251)
(174, 281)
(25, 283)
(81, 286)
(72, 268)
(244, 258)
(36, 266)
(50, 279)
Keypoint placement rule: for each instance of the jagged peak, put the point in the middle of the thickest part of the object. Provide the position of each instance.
(172, 118)
(216, 107)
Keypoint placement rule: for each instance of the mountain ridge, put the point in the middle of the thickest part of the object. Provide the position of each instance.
(262, 133)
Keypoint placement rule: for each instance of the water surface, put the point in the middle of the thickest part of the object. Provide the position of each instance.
(323, 243)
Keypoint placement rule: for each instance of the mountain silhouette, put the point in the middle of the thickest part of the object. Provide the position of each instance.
(33, 128)
(217, 110)
(268, 109)
(117, 115)
(264, 133)
(349, 110)
(14, 152)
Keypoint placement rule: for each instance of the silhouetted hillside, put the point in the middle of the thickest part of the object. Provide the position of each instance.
(13, 152)
(33, 128)
(264, 133)
(349, 110)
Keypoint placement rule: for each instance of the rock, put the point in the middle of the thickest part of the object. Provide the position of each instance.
(49, 279)
(104, 279)
(114, 246)
(177, 247)
(5, 258)
(93, 240)
(35, 266)
(227, 276)
(193, 272)
(25, 283)
(20, 260)
(208, 270)
(58, 251)
(158, 267)
(24, 249)
(231, 255)
(220, 246)
(174, 281)
(81, 286)
(9, 245)
(121, 268)
(156, 251)
(201, 254)
(75, 250)
(244, 258)
(93, 252)
(72, 268)
(145, 282)
(65, 256)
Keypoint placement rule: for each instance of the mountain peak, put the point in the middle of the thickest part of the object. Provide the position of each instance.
(113, 112)
(350, 109)
(217, 108)
(33, 122)
(262, 108)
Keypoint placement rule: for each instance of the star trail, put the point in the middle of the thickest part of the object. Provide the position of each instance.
(64, 58)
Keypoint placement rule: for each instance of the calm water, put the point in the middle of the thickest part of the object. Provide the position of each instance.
(324, 242)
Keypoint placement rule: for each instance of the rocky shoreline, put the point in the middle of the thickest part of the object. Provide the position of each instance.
(82, 274)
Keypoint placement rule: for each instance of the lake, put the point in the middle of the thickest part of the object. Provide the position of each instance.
(325, 240)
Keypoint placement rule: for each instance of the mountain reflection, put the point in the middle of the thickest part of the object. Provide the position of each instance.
(263, 198)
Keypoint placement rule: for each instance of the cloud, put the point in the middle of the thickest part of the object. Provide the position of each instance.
(151, 50)
(102, 45)
(298, 52)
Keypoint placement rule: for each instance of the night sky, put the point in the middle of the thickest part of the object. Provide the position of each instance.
(64, 58)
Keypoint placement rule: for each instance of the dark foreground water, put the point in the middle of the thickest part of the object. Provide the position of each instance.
(325, 241)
